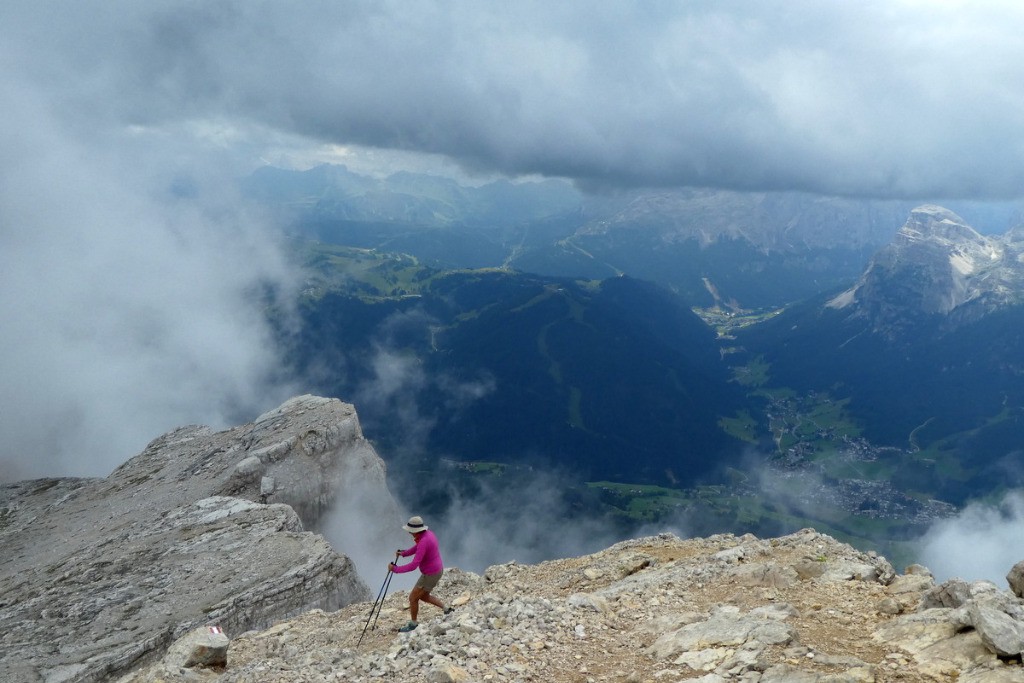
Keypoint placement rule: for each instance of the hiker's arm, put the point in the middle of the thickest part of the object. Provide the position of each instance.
(420, 551)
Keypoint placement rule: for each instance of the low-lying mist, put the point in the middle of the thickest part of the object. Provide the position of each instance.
(532, 514)
(133, 297)
(982, 542)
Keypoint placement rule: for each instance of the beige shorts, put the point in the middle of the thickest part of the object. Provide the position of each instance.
(428, 582)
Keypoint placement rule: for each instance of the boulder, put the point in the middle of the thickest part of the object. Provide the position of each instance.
(1016, 579)
(952, 593)
(1000, 632)
(206, 646)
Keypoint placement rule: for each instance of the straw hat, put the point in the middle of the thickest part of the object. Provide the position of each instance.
(415, 525)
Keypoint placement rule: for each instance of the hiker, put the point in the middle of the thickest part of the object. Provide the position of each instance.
(427, 557)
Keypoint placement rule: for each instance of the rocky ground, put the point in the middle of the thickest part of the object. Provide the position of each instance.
(798, 608)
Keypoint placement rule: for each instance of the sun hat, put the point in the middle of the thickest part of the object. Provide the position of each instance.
(415, 525)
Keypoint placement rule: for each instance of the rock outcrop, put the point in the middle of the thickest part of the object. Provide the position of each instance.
(802, 608)
(98, 576)
(937, 265)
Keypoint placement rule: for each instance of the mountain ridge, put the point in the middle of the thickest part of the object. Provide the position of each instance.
(680, 239)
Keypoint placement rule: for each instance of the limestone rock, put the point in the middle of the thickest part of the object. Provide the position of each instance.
(1016, 579)
(998, 630)
(807, 568)
(203, 646)
(447, 673)
(100, 575)
(723, 630)
(952, 593)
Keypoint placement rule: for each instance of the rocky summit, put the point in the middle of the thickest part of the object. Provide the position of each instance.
(99, 576)
(802, 608)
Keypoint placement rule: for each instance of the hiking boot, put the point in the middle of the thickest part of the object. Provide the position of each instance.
(408, 627)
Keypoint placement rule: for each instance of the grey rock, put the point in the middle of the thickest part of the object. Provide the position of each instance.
(808, 568)
(1000, 632)
(910, 584)
(588, 601)
(730, 555)
(99, 576)
(784, 673)
(951, 593)
(848, 570)
(768, 575)
(777, 611)
(918, 631)
(942, 648)
(203, 646)
(447, 673)
(1016, 579)
(905, 593)
(889, 606)
(1004, 601)
(267, 487)
(726, 628)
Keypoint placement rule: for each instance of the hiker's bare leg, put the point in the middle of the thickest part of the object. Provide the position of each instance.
(427, 597)
(414, 602)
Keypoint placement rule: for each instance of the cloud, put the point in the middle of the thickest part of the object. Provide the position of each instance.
(884, 99)
(132, 293)
(521, 515)
(981, 543)
(524, 515)
(390, 394)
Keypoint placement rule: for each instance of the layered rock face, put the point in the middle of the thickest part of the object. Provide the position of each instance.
(100, 575)
(938, 265)
(803, 608)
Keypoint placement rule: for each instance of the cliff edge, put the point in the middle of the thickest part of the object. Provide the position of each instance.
(99, 576)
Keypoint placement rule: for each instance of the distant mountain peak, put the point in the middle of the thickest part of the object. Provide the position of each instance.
(935, 265)
(942, 227)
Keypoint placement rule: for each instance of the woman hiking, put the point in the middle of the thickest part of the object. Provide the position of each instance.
(426, 557)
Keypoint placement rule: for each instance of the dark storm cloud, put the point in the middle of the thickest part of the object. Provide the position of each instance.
(905, 99)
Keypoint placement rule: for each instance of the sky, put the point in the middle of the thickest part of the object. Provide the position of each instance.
(128, 265)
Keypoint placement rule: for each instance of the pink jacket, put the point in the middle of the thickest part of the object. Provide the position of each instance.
(427, 555)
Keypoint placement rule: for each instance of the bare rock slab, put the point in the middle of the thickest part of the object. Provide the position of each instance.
(99, 576)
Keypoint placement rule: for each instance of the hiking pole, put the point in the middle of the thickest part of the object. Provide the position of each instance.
(380, 600)
(387, 583)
